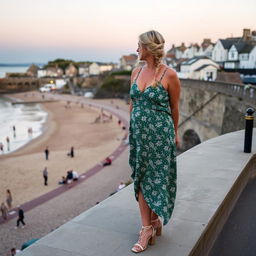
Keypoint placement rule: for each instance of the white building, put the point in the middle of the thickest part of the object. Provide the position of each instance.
(241, 56)
(191, 51)
(248, 59)
(206, 72)
(94, 69)
(105, 67)
(200, 67)
(128, 62)
(206, 48)
(83, 69)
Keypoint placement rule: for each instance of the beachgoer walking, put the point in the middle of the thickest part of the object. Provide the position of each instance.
(9, 198)
(4, 211)
(153, 137)
(14, 131)
(20, 217)
(8, 143)
(71, 153)
(47, 152)
(45, 175)
(1, 147)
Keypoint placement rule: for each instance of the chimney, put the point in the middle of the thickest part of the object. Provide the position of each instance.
(246, 34)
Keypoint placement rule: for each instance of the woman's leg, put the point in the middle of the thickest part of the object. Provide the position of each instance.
(145, 211)
(154, 216)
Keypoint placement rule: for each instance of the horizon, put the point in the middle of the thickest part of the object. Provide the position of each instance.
(104, 31)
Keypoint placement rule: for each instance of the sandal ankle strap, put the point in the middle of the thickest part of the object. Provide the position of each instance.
(147, 227)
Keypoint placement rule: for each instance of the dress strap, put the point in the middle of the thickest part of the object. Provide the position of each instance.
(163, 75)
(137, 75)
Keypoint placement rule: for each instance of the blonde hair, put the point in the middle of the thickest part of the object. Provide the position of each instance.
(154, 43)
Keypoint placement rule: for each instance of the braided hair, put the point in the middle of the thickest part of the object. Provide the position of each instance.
(154, 43)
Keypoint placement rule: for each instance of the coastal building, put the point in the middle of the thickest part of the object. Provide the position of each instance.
(41, 73)
(191, 51)
(32, 70)
(71, 70)
(83, 69)
(50, 72)
(205, 48)
(179, 51)
(128, 62)
(236, 52)
(105, 67)
(94, 69)
(200, 67)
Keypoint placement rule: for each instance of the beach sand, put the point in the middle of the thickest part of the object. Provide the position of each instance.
(21, 171)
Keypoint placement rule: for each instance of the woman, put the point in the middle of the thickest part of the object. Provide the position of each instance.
(9, 199)
(153, 137)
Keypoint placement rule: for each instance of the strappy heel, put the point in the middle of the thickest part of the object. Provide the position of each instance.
(145, 239)
(157, 225)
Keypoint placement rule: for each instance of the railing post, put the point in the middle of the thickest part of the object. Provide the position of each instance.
(248, 130)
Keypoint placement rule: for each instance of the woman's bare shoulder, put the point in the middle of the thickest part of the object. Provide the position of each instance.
(171, 73)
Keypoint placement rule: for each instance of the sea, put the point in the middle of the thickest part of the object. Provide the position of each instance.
(15, 67)
(16, 120)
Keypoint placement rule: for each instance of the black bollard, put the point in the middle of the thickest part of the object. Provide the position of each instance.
(248, 130)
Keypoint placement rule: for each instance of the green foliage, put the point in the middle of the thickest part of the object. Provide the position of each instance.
(112, 87)
(122, 73)
(63, 64)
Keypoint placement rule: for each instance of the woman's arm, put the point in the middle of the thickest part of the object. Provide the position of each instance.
(174, 95)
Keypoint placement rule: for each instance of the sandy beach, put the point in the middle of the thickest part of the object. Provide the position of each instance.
(21, 171)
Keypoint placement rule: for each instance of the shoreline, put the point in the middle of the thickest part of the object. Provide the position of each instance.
(89, 152)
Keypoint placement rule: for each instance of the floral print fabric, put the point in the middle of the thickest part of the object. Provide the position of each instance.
(152, 149)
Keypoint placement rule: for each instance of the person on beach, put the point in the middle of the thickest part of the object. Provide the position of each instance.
(30, 132)
(45, 175)
(63, 180)
(71, 153)
(8, 143)
(2, 147)
(14, 131)
(46, 152)
(20, 217)
(75, 176)
(69, 177)
(14, 251)
(107, 161)
(4, 211)
(153, 137)
(9, 198)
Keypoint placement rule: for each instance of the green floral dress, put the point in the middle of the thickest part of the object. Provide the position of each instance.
(152, 148)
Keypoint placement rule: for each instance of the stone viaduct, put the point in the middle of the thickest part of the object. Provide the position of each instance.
(210, 109)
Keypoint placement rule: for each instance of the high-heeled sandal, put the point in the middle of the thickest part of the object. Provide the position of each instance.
(157, 225)
(145, 239)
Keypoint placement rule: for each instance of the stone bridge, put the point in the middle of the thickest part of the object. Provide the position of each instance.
(210, 109)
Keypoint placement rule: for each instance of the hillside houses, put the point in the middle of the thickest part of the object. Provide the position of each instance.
(236, 54)
(128, 62)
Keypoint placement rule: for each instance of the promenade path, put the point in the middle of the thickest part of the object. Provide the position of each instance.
(48, 216)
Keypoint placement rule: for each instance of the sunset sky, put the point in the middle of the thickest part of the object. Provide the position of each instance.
(103, 30)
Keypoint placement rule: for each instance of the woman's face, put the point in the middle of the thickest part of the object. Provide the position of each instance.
(142, 51)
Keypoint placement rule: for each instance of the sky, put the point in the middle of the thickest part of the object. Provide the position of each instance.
(104, 30)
